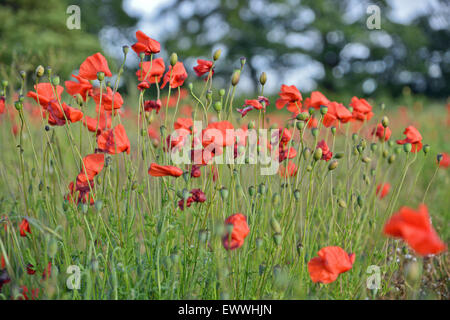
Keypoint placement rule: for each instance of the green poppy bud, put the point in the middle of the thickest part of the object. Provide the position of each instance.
(373, 147)
(262, 189)
(218, 106)
(4, 83)
(342, 203)
(333, 131)
(55, 80)
(276, 199)
(125, 49)
(221, 92)
(385, 122)
(391, 158)
(251, 191)
(398, 150)
(407, 147)
(300, 125)
(360, 201)
(354, 137)
(235, 78)
(39, 71)
(339, 155)
(323, 110)
(224, 193)
(243, 60)
(439, 157)
(314, 132)
(216, 55)
(251, 125)
(303, 116)
(263, 78)
(309, 168)
(173, 59)
(426, 148)
(318, 154)
(142, 56)
(311, 111)
(23, 74)
(100, 76)
(333, 165)
(275, 225)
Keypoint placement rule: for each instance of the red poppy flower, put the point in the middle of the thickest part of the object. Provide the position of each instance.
(330, 263)
(184, 123)
(150, 105)
(445, 161)
(415, 228)
(81, 87)
(2, 104)
(197, 195)
(114, 140)
(156, 170)
(258, 104)
(285, 153)
(177, 139)
(291, 170)
(34, 294)
(326, 152)
(220, 133)
(92, 165)
(176, 77)
(2, 263)
(93, 65)
(57, 114)
(412, 136)
(24, 228)
(145, 44)
(47, 271)
(312, 123)
(103, 124)
(383, 190)
(109, 100)
(83, 190)
(316, 100)
(155, 74)
(382, 132)
(44, 93)
(30, 269)
(336, 112)
(203, 66)
(362, 110)
(195, 171)
(143, 85)
(240, 230)
(292, 97)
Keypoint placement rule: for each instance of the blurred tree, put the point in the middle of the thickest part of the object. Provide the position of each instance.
(35, 32)
(283, 35)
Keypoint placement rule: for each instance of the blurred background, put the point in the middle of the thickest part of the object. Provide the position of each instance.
(314, 44)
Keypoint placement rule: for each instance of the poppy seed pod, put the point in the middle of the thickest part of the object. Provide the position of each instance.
(366, 159)
(263, 78)
(277, 237)
(385, 153)
(142, 56)
(125, 49)
(39, 71)
(251, 191)
(314, 132)
(209, 96)
(373, 147)
(342, 203)
(100, 76)
(243, 60)
(385, 122)
(390, 143)
(398, 149)
(426, 148)
(235, 78)
(275, 225)
(306, 153)
(224, 193)
(309, 168)
(339, 155)
(23, 74)
(221, 92)
(173, 59)
(323, 110)
(251, 125)
(18, 105)
(333, 165)
(333, 130)
(407, 147)
(439, 157)
(318, 154)
(297, 194)
(302, 116)
(4, 83)
(311, 111)
(300, 125)
(391, 158)
(262, 189)
(55, 80)
(218, 106)
(216, 55)
(354, 137)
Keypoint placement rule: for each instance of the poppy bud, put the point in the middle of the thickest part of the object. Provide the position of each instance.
(426, 148)
(41, 186)
(52, 248)
(359, 148)
(218, 106)
(49, 71)
(333, 130)
(221, 92)
(373, 147)
(4, 83)
(65, 205)
(342, 203)
(173, 59)
(262, 189)
(239, 191)
(18, 105)
(235, 78)
(339, 155)
(263, 78)
(84, 208)
(385, 153)
(251, 125)
(39, 71)
(259, 242)
(354, 137)
(439, 157)
(390, 143)
(98, 205)
(209, 96)
(318, 154)
(142, 56)
(55, 80)
(23, 74)
(397, 150)
(385, 122)
(216, 55)
(366, 159)
(162, 130)
(300, 125)
(224, 193)
(125, 49)
(309, 168)
(275, 225)
(314, 132)
(311, 111)
(407, 147)
(297, 194)
(275, 199)
(243, 60)
(251, 190)
(333, 165)
(302, 116)
(391, 158)
(323, 110)
(360, 201)
(306, 153)
(277, 238)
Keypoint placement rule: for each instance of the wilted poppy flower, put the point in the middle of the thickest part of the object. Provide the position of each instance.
(382, 132)
(240, 231)
(336, 113)
(326, 152)
(114, 140)
(412, 136)
(289, 172)
(45, 94)
(383, 190)
(203, 66)
(93, 65)
(220, 133)
(2, 104)
(330, 263)
(176, 77)
(145, 44)
(362, 110)
(292, 97)
(258, 104)
(445, 161)
(316, 100)
(195, 171)
(93, 124)
(157, 170)
(150, 105)
(143, 85)
(24, 228)
(109, 101)
(82, 87)
(197, 195)
(415, 228)
(154, 74)
(30, 269)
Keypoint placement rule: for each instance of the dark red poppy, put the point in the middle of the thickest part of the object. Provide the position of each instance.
(383, 190)
(24, 228)
(93, 65)
(145, 44)
(176, 77)
(114, 140)
(330, 263)
(316, 100)
(143, 85)
(150, 105)
(415, 228)
(240, 231)
(30, 269)
(362, 110)
(292, 97)
(197, 195)
(81, 86)
(382, 132)
(195, 171)
(413, 137)
(326, 152)
(203, 66)
(154, 74)
(157, 170)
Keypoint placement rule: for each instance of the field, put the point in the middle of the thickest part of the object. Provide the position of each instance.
(94, 204)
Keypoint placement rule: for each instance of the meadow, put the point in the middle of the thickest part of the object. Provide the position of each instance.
(93, 205)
